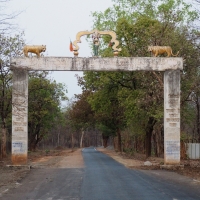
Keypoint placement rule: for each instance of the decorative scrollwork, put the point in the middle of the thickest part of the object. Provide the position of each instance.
(96, 36)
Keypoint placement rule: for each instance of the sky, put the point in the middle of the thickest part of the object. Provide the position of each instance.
(53, 23)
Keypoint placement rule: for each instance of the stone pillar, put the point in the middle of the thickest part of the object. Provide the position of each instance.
(20, 117)
(172, 117)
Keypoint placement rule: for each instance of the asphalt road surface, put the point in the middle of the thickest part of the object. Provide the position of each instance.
(104, 179)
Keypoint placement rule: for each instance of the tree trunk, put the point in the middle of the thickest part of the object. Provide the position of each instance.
(119, 145)
(58, 139)
(81, 142)
(96, 138)
(115, 143)
(155, 143)
(105, 140)
(159, 143)
(72, 142)
(3, 142)
(149, 130)
(148, 143)
(33, 146)
(52, 143)
(34, 141)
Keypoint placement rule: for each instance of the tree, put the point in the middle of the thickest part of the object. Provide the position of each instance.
(139, 24)
(45, 97)
(9, 46)
(81, 114)
(6, 18)
(104, 102)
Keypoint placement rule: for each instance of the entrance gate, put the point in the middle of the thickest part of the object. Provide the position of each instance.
(170, 66)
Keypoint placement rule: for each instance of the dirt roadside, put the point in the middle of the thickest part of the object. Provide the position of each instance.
(65, 158)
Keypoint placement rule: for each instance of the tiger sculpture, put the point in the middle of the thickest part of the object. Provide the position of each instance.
(159, 50)
(37, 49)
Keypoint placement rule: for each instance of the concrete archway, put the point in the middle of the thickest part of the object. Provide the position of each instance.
(170, 66)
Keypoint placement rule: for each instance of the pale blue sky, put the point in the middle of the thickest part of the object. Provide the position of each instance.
(53, 23)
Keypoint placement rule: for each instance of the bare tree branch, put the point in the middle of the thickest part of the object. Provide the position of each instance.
(6, 23)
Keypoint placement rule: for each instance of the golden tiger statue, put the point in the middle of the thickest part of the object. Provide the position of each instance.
(159, 50)
(37, 49)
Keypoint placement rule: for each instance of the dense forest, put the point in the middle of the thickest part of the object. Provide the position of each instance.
(123, 109)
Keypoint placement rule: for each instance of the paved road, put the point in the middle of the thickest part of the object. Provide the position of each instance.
(103, 179)
(48, 184)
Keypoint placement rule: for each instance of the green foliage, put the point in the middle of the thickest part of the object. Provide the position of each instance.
(104, 101)
(139, 95)
(9, 47)
(44, 106)
(81, 116)
(106, 129)
(141, 23)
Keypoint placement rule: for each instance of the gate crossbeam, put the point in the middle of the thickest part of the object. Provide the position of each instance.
(98, 64)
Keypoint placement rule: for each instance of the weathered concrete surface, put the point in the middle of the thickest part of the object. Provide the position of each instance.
(20, 117)
(98, 64)
(172, 117)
